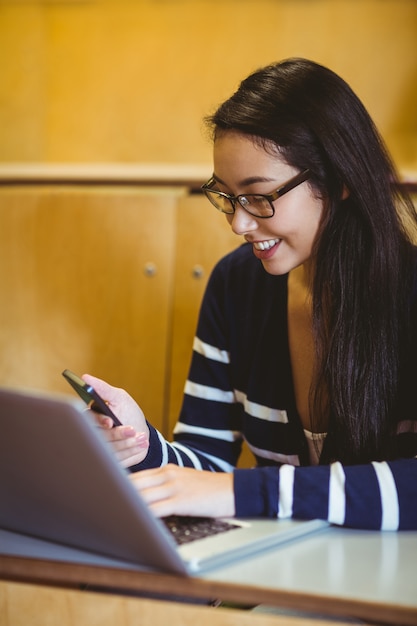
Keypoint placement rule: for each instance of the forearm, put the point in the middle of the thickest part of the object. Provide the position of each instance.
(375, 496)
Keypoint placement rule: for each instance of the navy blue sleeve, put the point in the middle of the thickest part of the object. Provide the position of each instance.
(377, 496)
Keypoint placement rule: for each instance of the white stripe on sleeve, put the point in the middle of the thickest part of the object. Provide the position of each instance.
(389, 496)
(260, 411)
(223, 435)
(210, 352)
(164, 448)
(191, 455)
(177, 456)
(208, 393)
(286, 491)
(224, 466)
(337, 495)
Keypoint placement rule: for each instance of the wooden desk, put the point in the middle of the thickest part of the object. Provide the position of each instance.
(23, 604)
(371, 576)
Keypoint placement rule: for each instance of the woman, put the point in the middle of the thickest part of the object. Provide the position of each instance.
(306, 345)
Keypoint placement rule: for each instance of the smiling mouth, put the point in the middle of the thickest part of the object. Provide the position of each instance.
(265, 245)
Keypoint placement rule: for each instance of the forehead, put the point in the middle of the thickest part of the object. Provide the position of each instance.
(236, 154)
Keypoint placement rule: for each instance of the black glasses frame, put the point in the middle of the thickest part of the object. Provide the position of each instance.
(271, 197)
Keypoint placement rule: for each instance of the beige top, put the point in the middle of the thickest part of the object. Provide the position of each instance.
(315, 445)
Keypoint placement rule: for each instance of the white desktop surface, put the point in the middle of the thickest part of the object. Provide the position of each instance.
(371, 566)
(354, 564)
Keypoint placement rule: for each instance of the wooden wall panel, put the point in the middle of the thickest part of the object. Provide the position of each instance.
(130, 80)
(75, 292)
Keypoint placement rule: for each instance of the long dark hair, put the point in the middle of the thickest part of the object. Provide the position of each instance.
(363, 254)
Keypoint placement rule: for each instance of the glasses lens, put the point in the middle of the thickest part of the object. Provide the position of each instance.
(258, 206)
(221, 203)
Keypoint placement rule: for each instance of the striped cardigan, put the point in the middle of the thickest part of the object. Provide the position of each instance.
(240, 388)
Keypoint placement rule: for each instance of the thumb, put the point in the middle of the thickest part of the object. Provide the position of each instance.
(106, 391)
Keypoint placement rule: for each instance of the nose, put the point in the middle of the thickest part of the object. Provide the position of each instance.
(242, 222)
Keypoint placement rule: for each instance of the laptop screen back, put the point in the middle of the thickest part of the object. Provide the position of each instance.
(60, 482)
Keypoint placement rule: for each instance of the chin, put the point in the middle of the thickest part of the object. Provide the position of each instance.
(277, 269)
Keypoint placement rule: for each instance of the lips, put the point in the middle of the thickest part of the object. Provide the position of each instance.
(265, 250)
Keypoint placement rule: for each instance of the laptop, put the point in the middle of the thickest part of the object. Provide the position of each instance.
(60, 482)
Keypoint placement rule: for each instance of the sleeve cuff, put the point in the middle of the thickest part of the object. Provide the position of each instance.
(153, 458)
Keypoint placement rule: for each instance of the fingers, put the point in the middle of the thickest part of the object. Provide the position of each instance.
(133, 456)
(101, 420)
(126, 436)
(170, 490)
(157, 488)
(151, 479)
(129, 446)
(123, 433)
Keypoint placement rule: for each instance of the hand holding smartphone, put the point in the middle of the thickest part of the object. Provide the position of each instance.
(90, 396)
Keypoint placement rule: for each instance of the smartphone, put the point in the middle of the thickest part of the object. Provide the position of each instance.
(90, 396)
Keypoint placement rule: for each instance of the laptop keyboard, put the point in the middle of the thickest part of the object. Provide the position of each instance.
(187, 529)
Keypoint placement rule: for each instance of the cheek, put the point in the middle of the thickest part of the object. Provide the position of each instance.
(301, 223)
(311, 226)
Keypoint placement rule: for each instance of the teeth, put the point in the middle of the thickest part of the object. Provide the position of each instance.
(265, 245)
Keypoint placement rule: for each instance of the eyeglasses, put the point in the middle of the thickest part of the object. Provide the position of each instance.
(257, 204)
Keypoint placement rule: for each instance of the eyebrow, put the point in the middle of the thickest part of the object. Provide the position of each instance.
(251, 180)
